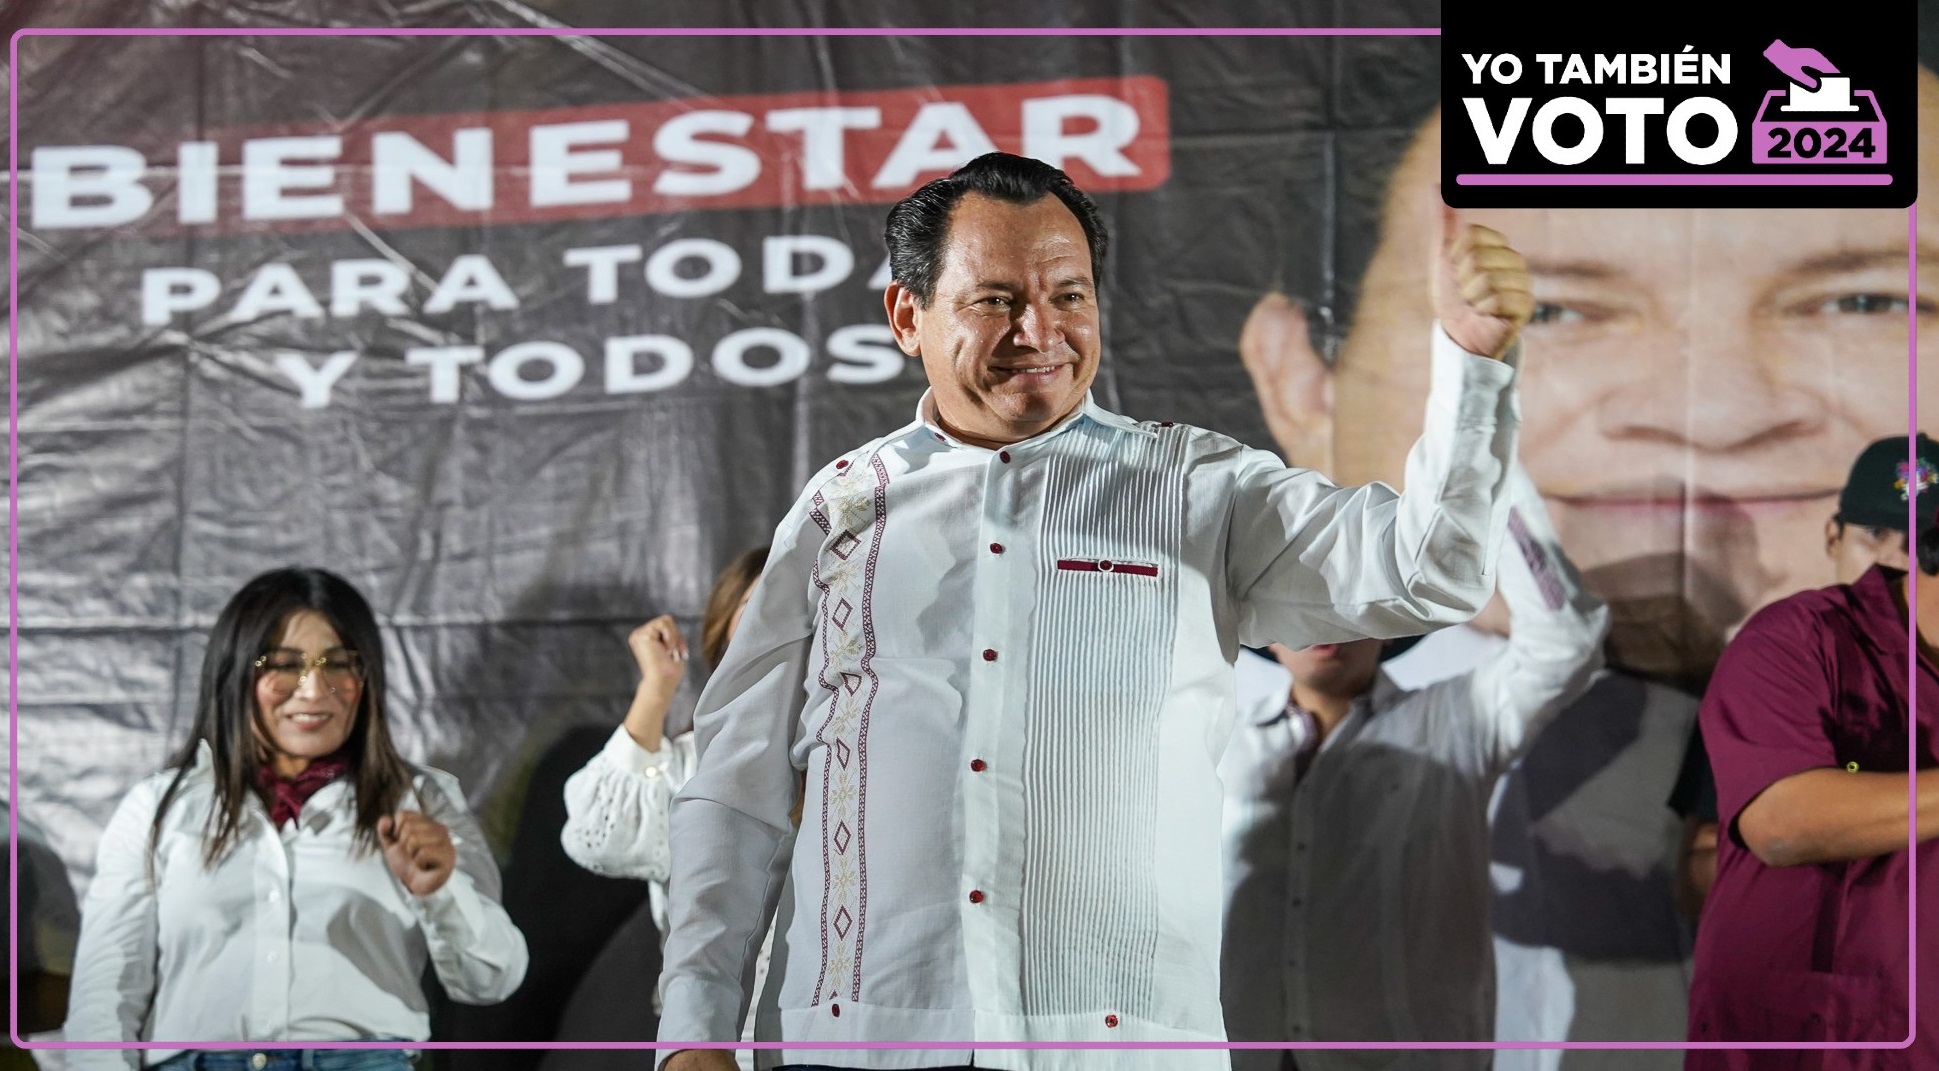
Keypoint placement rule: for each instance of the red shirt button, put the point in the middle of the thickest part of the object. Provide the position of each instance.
(996, 548)
(1003, 456)
(1104, 566)
(978, 766)
(835, 1010)
(989, 654)
(1111, 1020)
(976, 896)
(842, 464)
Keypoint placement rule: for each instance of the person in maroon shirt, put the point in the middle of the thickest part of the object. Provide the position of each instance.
(1804, 938)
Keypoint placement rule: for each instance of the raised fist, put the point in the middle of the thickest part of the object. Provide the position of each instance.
(1482, 291)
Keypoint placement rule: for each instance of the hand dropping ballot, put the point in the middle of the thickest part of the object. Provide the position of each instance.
(1819, 117)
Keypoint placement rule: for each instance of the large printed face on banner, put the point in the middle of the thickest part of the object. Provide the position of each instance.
(1694, 388)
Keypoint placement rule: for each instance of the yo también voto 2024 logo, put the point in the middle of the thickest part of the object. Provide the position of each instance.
(1773, 109)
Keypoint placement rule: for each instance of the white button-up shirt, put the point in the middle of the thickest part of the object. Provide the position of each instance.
(1008, 677)
(1357, 895)
(617, 807)
(291, 937)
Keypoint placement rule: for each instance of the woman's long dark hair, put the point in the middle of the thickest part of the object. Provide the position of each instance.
(225, 707)
(725, 598)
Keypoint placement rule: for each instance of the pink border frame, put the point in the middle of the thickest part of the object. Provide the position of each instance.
(1912, 412)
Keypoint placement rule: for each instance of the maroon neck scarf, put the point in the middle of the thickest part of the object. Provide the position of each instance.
(287, 796)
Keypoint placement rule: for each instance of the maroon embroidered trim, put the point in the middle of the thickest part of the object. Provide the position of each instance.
(862, 730)
(1107, 565)
(850, 510)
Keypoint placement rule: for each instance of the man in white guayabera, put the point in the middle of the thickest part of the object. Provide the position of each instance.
(999, 642)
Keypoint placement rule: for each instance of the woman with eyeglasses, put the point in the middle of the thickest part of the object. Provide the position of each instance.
(287, 877)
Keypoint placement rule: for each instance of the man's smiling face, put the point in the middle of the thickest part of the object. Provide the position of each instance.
(1009, 339)
(1695, 386)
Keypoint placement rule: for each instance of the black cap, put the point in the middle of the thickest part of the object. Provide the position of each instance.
(1882, 482)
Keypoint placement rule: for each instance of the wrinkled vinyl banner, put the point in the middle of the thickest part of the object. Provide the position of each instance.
(527, 336)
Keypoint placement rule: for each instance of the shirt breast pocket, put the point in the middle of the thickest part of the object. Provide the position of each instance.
(1818, 1006)
(1111, 619)
(1122, 568)
(1869, 738)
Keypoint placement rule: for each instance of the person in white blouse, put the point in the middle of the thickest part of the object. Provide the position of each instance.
(1356, 824)
(617, 805)
(287, 877)
(999, 643)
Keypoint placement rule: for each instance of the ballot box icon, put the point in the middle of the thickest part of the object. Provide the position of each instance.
(1819, 118)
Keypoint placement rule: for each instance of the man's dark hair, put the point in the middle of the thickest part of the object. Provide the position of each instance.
(1927, 552)
(918, 228)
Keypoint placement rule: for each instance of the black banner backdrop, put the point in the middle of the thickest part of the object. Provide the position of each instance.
(526, 336)
(510, 531)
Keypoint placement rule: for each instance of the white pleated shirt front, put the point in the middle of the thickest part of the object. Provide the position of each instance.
(1008, 677)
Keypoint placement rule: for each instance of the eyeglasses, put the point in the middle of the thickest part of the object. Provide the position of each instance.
(285, 670)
